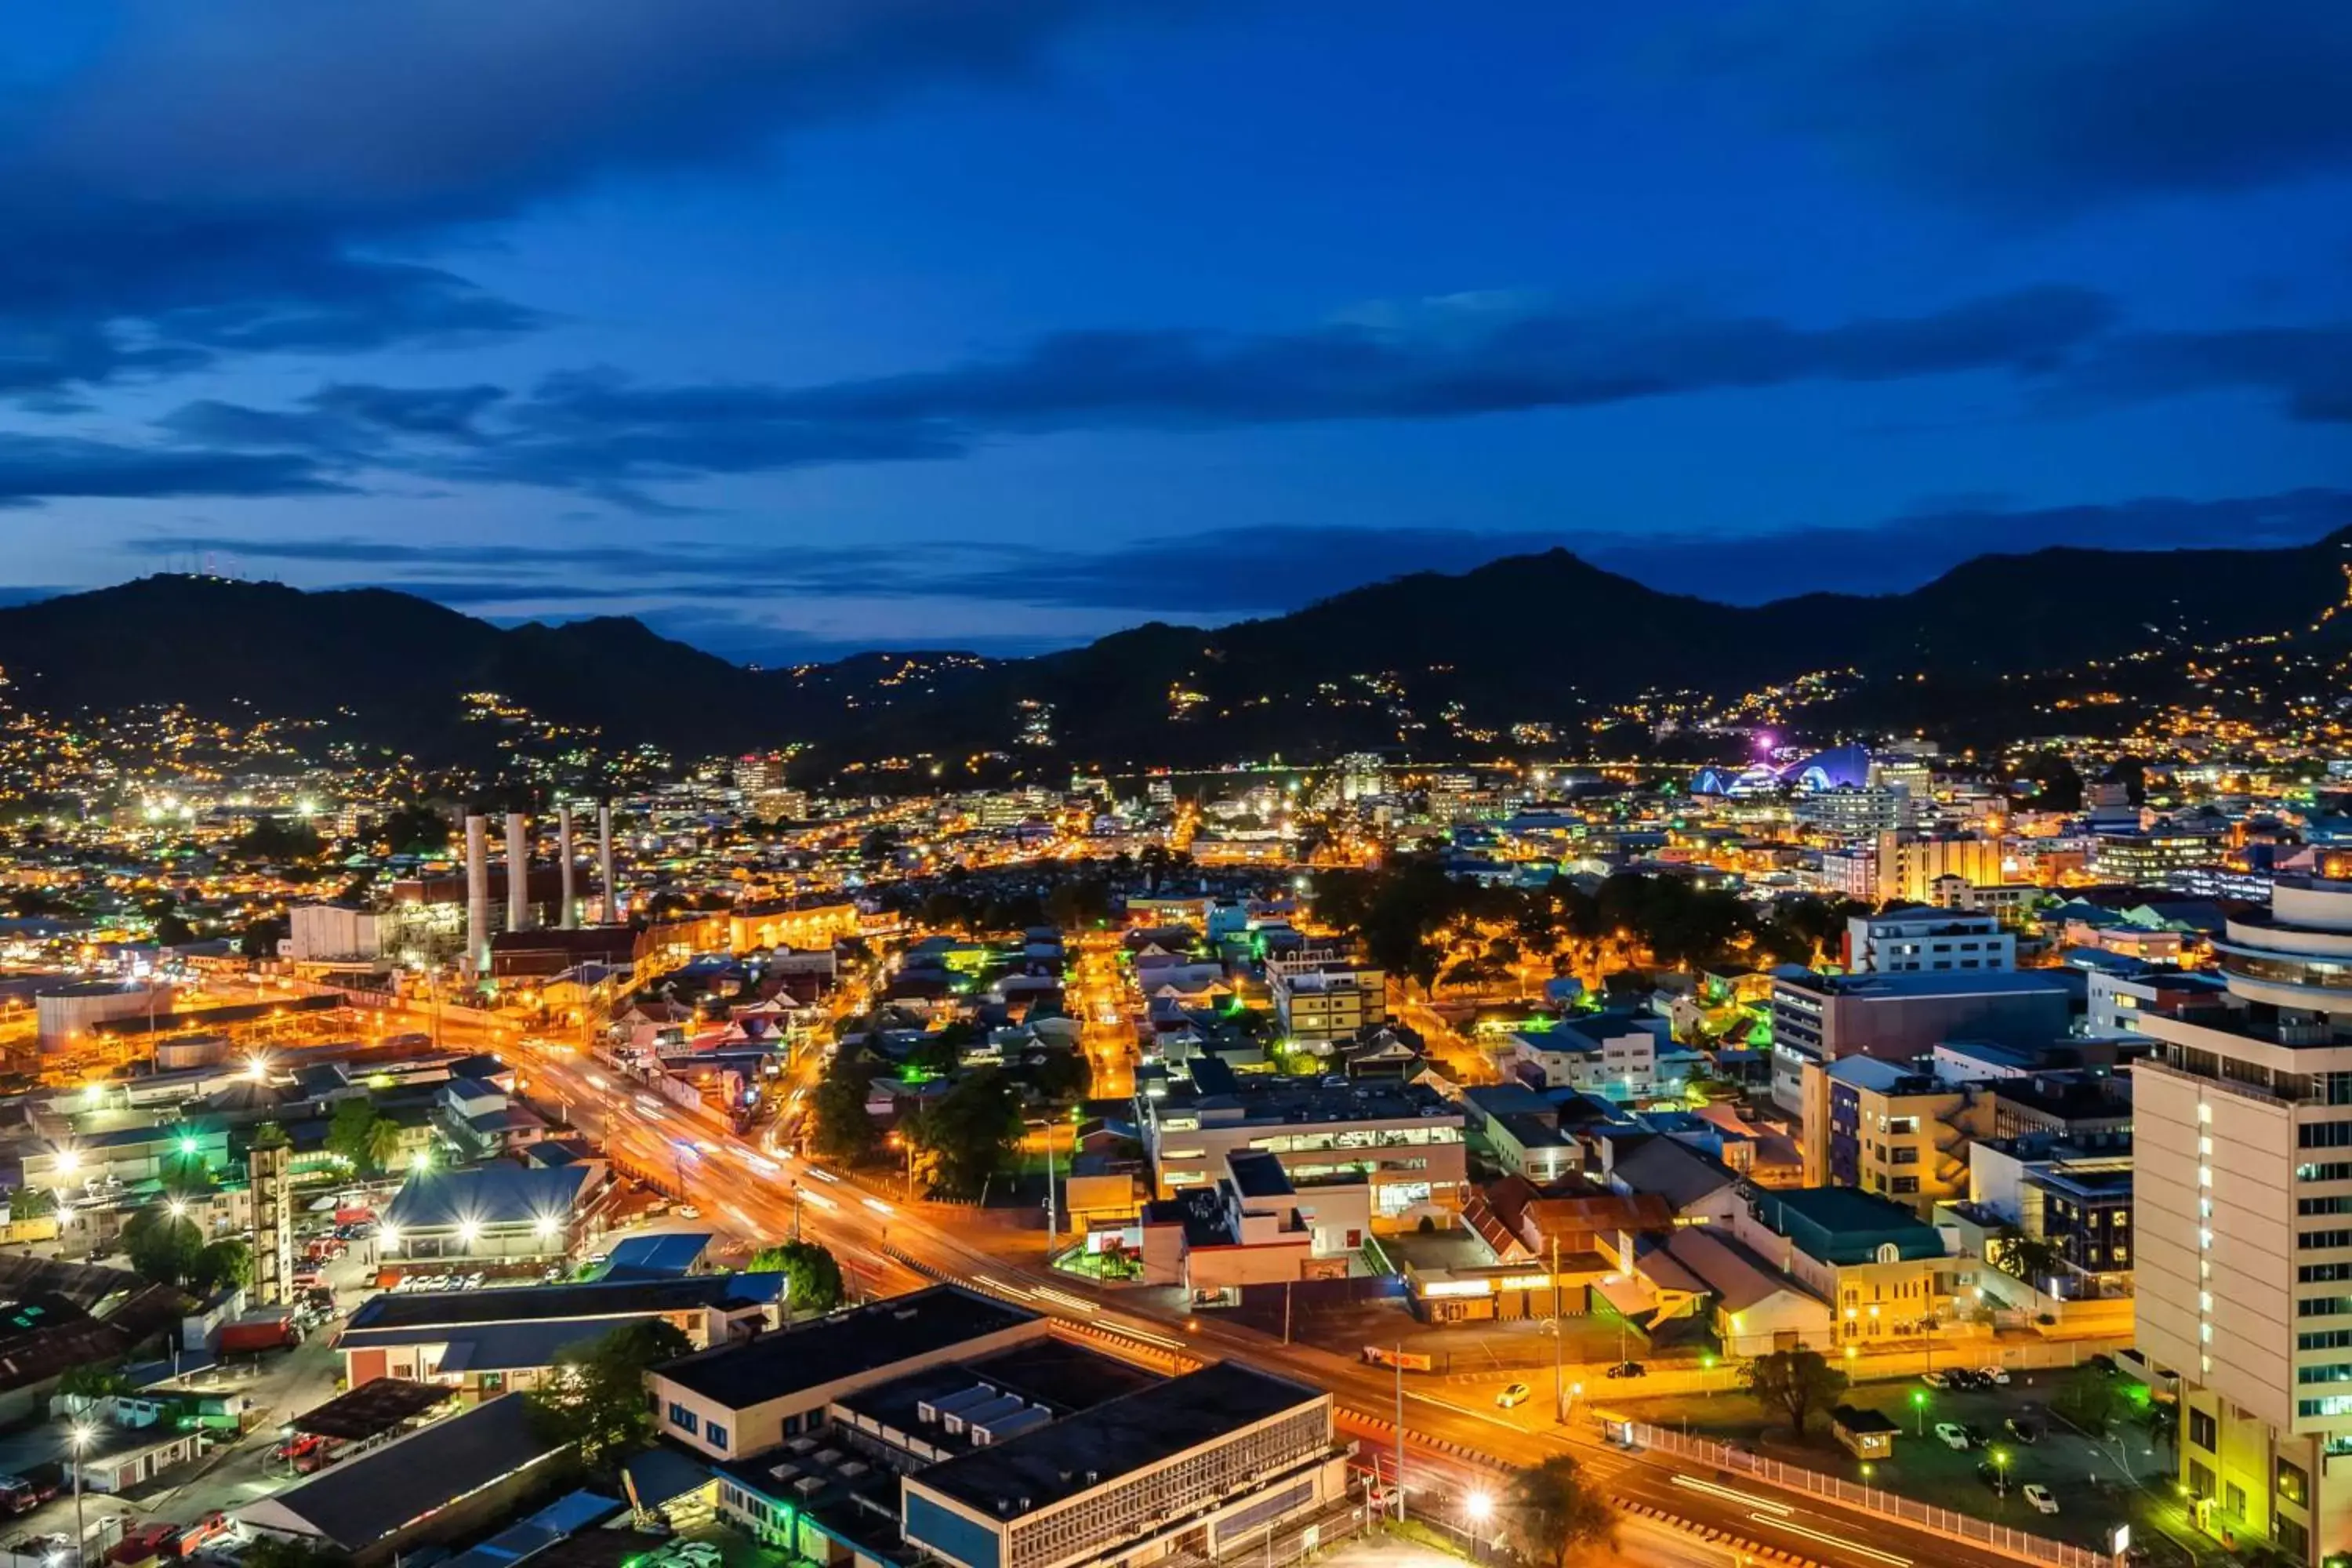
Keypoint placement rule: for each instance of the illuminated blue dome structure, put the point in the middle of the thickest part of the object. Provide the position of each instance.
(1840, 767)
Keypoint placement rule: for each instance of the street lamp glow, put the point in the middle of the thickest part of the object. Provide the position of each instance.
(1479, 1507)
(187, 1147)
(546, 1227)
(179, 1208)
(422, 1160)
(68, 1162)
(469, 1231)
(82, 1432)
(386, 1238)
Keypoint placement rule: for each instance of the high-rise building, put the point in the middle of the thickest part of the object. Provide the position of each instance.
(1909, 863)
(758, 773)
(2243, 1130)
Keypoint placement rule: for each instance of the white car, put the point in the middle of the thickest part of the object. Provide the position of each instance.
(1513, 1395)
(1998, 1374)
(2039, 1497)
(1952, 1436)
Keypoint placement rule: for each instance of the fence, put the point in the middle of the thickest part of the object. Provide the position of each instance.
(1944, 1521)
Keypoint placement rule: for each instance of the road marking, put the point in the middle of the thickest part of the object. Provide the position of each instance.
(1826, 1539)
(1734, 1494)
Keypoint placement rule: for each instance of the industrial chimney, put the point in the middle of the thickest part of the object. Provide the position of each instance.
(571, 920)
(517, 871)
(477, 896)
(604, 861)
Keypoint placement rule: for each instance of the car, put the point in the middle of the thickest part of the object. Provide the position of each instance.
(1993, 1476)
(2105, 1363)
(1996, 1375)
(2038, 1495)
(1961, 1380)
(1628, 1369)
(1951, 1435)
(1513, 1395)
(2024, 1429)
(1935, 1379)
(1978, 1436)
(687, 1211)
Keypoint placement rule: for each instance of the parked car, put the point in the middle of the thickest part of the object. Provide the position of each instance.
(1629, 1369)
(1998, 1375)
(2024, 1429)
(1935, 1379)
(2038, 1495)
(2105, 1363)
(1978, 1436)
(1951, 1435)
(1513, 1395)
(1993, 1476)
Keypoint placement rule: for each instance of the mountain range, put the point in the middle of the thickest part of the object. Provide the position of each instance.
(1545, 651)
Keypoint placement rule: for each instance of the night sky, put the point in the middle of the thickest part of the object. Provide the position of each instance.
(798, 326)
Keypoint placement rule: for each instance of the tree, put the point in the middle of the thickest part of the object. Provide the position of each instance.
(414, 829)
(840, 1129)
(222, 1263)
(965, 1134)
(383, 1140)
(275, 839)
(91, 1381)
(2089, 1400)
(260, 938)
(595, 1397)
(172, 930)
(812, 1274)
(1551, 1512)
(1798, 1381)
(351, 1133)
(162, 1247)
(31, 1203)
(2029, 1258)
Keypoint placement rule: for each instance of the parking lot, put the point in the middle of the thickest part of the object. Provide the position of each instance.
(2095, 1485)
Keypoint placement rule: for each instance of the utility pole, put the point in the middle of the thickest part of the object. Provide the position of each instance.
(1286, 1312)
(1053, 1218)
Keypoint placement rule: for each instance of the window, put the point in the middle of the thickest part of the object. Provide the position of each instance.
(2325, 1135)
(2333, 1171)
(2324, 1238)
(2324, 1340)
(2323, 1273)
(1906, 1185)
(717, 1436)
(2324, 1206)
(2203, 1433)
(2323, 1307)
(682, 1418)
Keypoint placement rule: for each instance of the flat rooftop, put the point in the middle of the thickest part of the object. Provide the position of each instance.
(1041, 1467)
(865, 1339)
(601, 1299)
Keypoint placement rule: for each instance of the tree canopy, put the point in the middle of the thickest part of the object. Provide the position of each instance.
(595, 1397)
(839, 1127)
(812, 1274)
(963, 1135)
(1552, 1511)
(1798, 1382)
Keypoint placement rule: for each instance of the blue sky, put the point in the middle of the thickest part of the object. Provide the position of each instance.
(1003, 323)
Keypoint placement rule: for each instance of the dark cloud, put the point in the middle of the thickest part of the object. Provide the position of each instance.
(238, 177)
(2307, 369)
(40, 468)
(2047, 109)
(604, 434)
(1518, 360)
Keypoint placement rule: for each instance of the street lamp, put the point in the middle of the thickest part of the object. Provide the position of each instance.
(1477, 1508)
(1920, 1409)
(82, 1434)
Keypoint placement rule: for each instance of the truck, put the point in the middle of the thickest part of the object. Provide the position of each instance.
(270, 1328)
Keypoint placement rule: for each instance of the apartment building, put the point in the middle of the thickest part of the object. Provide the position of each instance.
(1613, 1055)
(1888, 1130)
(1319, 999)
(2242, 1125)
(1910, 863)
(1918, 940)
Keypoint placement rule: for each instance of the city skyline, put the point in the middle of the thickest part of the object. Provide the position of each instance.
(1201, 316)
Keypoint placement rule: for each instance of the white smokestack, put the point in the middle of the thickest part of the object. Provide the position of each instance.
(517, 872)
(604, 861)
(571, 920)
(477, 895)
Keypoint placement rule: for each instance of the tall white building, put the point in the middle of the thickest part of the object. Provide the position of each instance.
(1919, 941)
(2242, 1131)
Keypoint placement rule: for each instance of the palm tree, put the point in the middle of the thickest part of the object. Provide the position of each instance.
(383, 1142)
(2029, 1258)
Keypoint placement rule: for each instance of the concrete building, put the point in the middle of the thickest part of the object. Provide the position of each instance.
(751, 1397)
(2118, 998)
(1319, 999)
(336, 934)
(504, 1216)
(1901, 1017)
(1886, 1130)
(65, 1014)
(1887, 1273)
(1909, 864)
(1613, 1055)
(2146, 856)
(1916, 941)
(2243, 1217)
(1855, 811)
(1403, 1141)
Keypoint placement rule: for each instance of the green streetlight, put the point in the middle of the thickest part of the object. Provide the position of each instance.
(1920, 1409)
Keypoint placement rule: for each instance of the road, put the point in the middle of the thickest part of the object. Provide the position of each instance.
(1110, 1014)
(887, 1246)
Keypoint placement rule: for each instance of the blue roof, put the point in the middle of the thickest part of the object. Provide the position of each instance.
(642, 1256)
